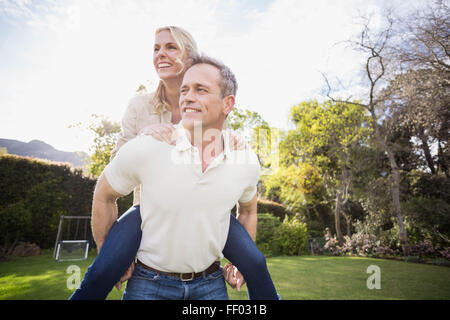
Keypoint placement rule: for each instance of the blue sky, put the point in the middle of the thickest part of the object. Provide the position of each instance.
(61, 61)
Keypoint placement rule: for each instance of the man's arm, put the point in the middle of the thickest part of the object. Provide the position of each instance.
(247, 215)
(104, 210)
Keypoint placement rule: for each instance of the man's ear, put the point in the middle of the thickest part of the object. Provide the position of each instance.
(228, 104)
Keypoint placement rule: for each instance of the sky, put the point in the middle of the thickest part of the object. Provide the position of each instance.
(63, 60)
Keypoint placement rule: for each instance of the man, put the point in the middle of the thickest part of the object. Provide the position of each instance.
(187, 192)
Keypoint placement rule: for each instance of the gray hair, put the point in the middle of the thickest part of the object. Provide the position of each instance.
(228, 84)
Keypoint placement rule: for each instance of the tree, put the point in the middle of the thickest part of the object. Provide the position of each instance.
(424, 39)
(262, 139)
(327, 136)
(105, 134)
(419, 103)
(422, 84)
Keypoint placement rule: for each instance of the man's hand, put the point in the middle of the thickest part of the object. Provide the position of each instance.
(127, 275)
(232, 275)
(161, 131)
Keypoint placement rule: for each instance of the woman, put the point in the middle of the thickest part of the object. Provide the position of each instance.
(154, 114)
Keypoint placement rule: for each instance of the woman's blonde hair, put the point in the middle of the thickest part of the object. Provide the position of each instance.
(188, 47)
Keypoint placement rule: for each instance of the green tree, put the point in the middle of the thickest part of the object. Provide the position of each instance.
(105, 133)
(328, 136)
(262, 139)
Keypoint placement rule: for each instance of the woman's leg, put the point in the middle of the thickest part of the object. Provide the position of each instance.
(117, 253)
(241, 250)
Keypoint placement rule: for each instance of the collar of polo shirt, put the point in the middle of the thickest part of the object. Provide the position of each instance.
(183, 143)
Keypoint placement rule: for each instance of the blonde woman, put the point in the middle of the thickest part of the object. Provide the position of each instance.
(155, 114)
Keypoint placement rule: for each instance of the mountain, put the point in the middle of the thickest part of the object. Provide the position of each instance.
(40, 149)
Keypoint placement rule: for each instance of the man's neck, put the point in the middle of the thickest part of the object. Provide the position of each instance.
(209, 143)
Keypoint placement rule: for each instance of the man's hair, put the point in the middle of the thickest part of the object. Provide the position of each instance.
(228, 84)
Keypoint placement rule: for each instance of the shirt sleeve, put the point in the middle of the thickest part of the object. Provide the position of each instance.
(122, 172)
(254, 172)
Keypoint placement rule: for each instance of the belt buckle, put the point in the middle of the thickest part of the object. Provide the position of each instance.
(190, 279)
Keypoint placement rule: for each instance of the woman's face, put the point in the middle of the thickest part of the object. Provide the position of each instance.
(165, 54)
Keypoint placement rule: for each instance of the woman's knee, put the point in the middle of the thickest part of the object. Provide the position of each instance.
(258, 260)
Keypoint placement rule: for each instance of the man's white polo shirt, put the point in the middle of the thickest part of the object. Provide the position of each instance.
(185, 212)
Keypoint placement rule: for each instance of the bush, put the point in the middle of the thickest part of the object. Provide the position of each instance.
(291, 236)
(15, 222)
(267, 226)
(276, 209)
(360, 244)
(40, 191)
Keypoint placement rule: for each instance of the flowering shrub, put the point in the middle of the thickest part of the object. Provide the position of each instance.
(423, 248)
(358, 244)
(445, 253)
(331, 244)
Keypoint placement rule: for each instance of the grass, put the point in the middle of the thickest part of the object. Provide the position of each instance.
(296, 278)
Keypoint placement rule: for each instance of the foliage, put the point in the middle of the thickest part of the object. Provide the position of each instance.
(294, 185)
(274, 208)
(16, 222)
(46, 202)
(360, 244)
(428, 206)
(105, 134)
(40, 191)
(267, 225)
(105, 137)
(281, 238)
(262, 139)
(291, 237)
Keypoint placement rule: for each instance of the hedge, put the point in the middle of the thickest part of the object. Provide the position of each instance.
(43, 191)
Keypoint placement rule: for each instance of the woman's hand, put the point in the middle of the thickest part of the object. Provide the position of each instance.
(125, 277)
(232, 275)
(236, 141)
(161, 131)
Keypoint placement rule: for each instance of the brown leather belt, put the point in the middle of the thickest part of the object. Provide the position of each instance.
(185, 276)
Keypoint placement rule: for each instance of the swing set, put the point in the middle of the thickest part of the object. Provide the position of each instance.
(73, 238)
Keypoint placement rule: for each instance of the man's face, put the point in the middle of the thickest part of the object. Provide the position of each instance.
(201, 98)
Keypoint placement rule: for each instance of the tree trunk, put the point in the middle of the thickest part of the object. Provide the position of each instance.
(427, 152)
(349, 228)
(403, 235)
(337, 218)
(395, 188)
(442, 160)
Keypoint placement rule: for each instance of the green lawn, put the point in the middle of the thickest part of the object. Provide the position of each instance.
(305, 277)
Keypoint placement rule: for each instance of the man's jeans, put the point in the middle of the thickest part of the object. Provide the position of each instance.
(122, 243)
(149, 285)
